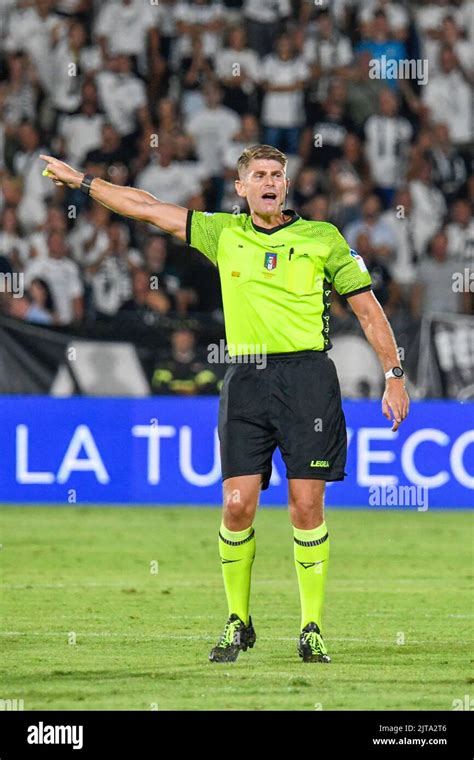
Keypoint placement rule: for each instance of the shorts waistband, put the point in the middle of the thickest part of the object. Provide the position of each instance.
(297, 355)
(284, 355)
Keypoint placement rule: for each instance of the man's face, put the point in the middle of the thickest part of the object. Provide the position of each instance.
(448, 61)
(439, 247)
(213, 97)
(182, 340)
(264, 185)
(249, 128)
(56, 245)
(156, 254)
(462, 213)
(28, 137)
(371, 208)
(388, 103)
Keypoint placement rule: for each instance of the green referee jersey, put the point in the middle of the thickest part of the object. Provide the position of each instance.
(276, 283)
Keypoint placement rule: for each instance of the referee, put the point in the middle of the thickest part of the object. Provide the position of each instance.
(276, 271)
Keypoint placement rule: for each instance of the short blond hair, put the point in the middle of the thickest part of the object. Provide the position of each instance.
(257, 152)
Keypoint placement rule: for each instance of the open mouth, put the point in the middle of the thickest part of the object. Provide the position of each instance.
(269, 196)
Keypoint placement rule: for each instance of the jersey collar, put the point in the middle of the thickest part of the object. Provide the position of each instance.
(288, 212)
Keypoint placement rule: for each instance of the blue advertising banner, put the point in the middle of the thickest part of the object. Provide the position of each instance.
(165, 451)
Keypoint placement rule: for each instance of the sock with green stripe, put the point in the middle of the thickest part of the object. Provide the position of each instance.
(237, 552)
(311, 562)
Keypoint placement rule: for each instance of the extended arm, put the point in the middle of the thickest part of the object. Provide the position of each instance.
(128, 201)
(380, 336)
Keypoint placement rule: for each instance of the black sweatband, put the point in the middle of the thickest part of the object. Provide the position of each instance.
(85, 186)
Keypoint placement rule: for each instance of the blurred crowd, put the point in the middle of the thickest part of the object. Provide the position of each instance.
(165, 96)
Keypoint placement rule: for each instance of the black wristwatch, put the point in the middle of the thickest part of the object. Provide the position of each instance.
(394, 372)
(86, 183)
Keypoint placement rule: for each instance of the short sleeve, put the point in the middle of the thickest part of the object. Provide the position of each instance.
(203, 231)
(346, 269)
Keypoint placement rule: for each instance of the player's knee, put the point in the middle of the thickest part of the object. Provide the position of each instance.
(305, 511)
(238, 507)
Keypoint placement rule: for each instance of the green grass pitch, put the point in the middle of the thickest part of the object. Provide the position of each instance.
(398, 613)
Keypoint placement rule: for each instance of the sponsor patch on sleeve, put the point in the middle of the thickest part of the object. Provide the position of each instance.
(359, 260)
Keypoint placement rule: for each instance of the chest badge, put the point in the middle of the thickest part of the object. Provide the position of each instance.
(271, 260)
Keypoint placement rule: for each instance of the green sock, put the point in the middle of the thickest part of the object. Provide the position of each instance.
(237, 552)
(311, 562)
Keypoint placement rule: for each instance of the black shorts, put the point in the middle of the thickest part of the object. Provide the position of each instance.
(294, 402)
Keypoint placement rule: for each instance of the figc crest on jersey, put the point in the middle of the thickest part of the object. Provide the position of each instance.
(270, 261)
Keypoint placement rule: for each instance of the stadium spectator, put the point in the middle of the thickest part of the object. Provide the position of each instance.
(196, 70)
(328, 52)
(185, 371)
(429, 206)
(429, 17)
(387, 138)
(39, 306)
(341, 10)
(379, 43)
(452, 36)
(166, 276)
(263, 20)
(166, 25)
(167, 178)
(35, 31)
(110, 274)
(317, 209)
(63, 278)
(82, 132)
(127, 27)
(148, 301)
(307, 184)
(11, 187)
(169, 120)
(203, 16)
(237, 68)
(38, 240)
(350, 180)
(122, 95)
(248, 135)
(381, 238)
(284, 75)
(396, 14)
(323, 143)
(35, 188)
(447, 92)
(185, 156)
(449, 166)
(401, 221)
(363, 92)
(72, 60)
(433, 292)
(110, 151)
(460, 233)
(89, 238)
(20, 93)
(212, 129)
(13, 246)
(385, 288)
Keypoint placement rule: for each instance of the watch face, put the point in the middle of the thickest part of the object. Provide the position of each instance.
(398, 372)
